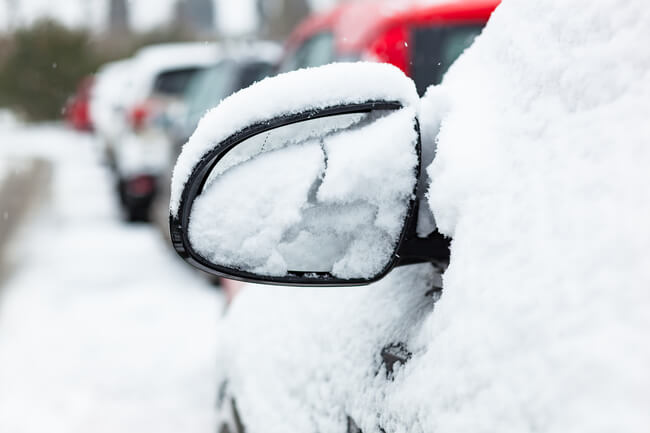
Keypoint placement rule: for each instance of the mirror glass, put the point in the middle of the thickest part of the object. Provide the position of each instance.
(326, 195)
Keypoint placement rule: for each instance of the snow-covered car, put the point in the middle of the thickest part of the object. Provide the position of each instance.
(157, 76)
(327, 177)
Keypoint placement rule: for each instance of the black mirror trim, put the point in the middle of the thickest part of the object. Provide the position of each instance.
(178, 225)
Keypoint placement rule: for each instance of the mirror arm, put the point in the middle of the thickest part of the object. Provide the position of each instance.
(414, 249)
(434, 248)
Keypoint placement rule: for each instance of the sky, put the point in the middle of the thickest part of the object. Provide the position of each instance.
(145, 14)
(235, 16)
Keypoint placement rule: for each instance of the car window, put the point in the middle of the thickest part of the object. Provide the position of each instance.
(315, 51)
(173, 82)
(208, 88)
(252, 72)
(435, 49)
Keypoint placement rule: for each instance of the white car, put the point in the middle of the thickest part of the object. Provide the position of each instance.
(314, 178)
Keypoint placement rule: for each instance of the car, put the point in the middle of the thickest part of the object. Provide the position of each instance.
(156, 77)
(421, 39)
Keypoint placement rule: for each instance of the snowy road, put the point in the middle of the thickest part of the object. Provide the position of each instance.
(102, 328)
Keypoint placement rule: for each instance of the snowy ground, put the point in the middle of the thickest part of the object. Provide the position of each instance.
(102, 329)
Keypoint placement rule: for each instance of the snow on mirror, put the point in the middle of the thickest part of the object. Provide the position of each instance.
(325, 195)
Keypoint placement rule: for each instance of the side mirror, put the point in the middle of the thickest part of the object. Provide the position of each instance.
(307, 178)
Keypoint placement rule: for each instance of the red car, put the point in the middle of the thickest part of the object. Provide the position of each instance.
(421, 40)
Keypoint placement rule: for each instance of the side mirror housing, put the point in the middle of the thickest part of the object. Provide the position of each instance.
(307, 178)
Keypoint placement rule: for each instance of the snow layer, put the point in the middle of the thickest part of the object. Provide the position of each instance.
(344, 194)
(541, 177)
(102, 327)
(285, 94)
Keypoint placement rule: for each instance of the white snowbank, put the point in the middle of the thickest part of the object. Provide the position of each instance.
(285, 94)
(344, 195)
(541, 177)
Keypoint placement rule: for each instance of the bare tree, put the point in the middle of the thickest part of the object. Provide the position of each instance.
(280, 17)
(12, 14)
(196, 15)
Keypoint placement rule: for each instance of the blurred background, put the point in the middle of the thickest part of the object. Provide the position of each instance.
(59, 42)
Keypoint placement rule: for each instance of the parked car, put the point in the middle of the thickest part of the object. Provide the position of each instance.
(421, 39)
(157, 76)
(77, 108)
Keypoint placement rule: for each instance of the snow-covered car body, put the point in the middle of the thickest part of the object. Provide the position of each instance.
(542, 325)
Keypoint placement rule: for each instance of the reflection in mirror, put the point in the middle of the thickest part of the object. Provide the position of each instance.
(323, 195)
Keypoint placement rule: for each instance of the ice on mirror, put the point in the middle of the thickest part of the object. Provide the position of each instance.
(326, 195)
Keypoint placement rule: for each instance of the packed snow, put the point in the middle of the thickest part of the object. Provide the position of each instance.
(286, 94)
(102, 327)
(342, 194)
(541, 177)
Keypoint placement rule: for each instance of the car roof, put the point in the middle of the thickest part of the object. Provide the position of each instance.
(160, 57)
(355, 23)
(252, 51)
